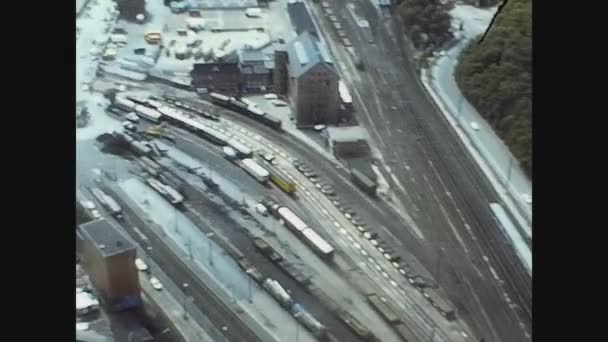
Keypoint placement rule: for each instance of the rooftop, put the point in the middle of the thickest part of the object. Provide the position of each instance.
(305, 52)
(106, 237)
(346, 134)
(208, 68)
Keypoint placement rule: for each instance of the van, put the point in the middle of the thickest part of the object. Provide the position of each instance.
(261, 209)
(152, 37)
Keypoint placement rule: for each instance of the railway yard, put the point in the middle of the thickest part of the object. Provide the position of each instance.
(267, 235)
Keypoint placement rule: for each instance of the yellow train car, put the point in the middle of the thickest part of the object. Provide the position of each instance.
(279, 178)
(283, 183)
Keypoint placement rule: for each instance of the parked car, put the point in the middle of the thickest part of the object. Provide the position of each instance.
(141, 265)
(129, 126)
(156, 283)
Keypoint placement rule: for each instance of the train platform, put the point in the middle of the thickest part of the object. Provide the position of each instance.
(163, 302)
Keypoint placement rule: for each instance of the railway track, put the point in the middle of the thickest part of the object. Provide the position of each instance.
(170, 263)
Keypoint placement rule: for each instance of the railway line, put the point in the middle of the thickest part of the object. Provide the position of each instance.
(421, 331)
(443, 153)
(170, 263)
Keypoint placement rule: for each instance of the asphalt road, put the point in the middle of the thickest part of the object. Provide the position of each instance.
(171, 264)
(429, 160)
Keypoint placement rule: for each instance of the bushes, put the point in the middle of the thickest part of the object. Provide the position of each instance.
(496, 77)
(427, 22)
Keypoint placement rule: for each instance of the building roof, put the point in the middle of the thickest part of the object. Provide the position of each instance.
(346, 134)
(215, 68)
(106, 237)
(300, 18)
(305, 52)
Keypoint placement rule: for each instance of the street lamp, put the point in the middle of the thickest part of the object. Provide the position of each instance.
(209, 236)
(185, 286)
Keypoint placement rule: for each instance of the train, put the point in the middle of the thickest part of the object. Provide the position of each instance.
(308, 321)
(107, 202)
(355, 326)
(238, 106)
(439, 303)
(166, 191)
(384, 308)
(278, 292)
(345, 97)
(280, 179)
(305, 233)
(150, 166)
(206, 132)
(363, 182)
(174, 101)
(255, 170)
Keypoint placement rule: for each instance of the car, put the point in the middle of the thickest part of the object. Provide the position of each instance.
(141, 265)
(348, 216)
(314, 179)
(328, 190)
(268, 157)
(309, 174)
(271, 96)
(129, 126)
(319, 128)
(156, 283)
(278, 103)
(304, 168)
(475, 126)
(260, 208)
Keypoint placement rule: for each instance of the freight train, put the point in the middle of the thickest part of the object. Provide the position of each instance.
(238, 106)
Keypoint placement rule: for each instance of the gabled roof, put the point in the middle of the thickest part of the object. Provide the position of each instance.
(305, 52)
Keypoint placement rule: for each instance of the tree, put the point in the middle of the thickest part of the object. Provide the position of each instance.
(496, 77)
(428, 18)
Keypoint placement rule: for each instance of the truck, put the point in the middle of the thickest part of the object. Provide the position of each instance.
(253, 12)
(255, 170)
(266, 249)
(277, 291)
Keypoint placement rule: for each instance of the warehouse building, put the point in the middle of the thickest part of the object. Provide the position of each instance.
(347, 142)
(312, 82)
(109, 259)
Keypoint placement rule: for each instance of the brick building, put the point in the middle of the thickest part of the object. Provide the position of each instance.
(312, 82)
(222, 77)
(256, 70)
(109, 259)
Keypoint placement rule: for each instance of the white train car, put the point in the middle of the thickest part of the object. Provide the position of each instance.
(124, 103)
(317, 243)
(148, 113)
(253, 168)
(242, 150)
(292, 221)
(344, 93)
(179, 118)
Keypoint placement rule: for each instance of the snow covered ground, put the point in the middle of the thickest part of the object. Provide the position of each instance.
(485, 146)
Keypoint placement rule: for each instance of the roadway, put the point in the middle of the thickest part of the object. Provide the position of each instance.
(429, 160)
